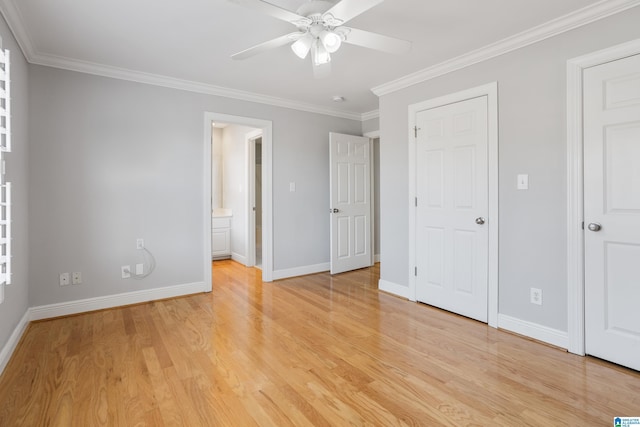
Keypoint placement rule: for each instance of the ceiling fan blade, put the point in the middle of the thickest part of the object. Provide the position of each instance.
(346, 10)
(274, 11)
(321, 71)
(271, 44)
(376, 41)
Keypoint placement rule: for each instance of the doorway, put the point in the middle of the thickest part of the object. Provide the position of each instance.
(254, 180)
(266, 221)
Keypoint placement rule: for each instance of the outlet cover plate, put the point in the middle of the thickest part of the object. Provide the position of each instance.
(76, 278)
(536, 296)
(65, 279)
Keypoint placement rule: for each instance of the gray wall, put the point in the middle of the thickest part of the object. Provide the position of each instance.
(532, 140)
(16, 294)
(370, 125)
(113, 160)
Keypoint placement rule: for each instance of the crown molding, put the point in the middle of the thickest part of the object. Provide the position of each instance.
(568, 22)
(369, 115)
(15, 22)
(186, 85)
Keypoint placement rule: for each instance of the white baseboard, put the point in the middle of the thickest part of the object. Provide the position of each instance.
(239, 258)
(376, 258)
(13, 341)
(533, 330)
(110, 301)
(301, 271)
(394, 288)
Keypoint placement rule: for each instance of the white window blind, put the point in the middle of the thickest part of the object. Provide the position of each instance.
(5, 187)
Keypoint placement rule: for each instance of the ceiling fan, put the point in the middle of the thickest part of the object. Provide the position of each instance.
(321, 31)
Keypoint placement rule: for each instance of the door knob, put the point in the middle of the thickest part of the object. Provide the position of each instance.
(594, 226)
(479, 220)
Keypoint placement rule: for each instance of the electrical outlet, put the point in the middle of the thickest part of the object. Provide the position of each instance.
(76, 278)
(140, 243)
(65, 279)
(139, 269)
(126, 271)
(536, 296)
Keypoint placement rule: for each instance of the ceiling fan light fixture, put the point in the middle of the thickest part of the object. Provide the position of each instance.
(331, 40)
(319, 54)
(302, 46)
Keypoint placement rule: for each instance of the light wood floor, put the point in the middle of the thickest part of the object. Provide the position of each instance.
(316, 350)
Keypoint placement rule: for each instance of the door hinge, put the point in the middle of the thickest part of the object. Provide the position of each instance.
(583, 225)
(415, 131)
(415, 271)
(416, 202)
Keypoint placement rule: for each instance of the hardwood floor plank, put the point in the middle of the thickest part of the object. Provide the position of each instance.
(317, 350)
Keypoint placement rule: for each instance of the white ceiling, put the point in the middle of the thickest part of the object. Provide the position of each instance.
(193, 40)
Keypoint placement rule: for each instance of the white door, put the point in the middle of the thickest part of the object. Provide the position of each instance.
(452, 206)
(350, 208)
(612, 211)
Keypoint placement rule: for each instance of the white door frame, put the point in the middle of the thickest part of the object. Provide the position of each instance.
(373, 135)
(267, 200)
(575, 189)
(489, 90)
(250, 149)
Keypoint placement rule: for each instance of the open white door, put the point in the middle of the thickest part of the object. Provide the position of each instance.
(350, 209)
(612, 211)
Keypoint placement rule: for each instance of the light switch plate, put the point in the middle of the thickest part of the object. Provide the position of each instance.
(523, 182)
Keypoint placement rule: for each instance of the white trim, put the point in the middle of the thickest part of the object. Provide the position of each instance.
(575, 208)
(12, 342)
(568, 22)
(240, 259)
(591, 13)
(372, 204)
(250, 185)
(15, 22)
(301, 271)
(489, 90)
(393, 288)
(374, 114)
(533, 330)
(117, 300)
(206, 197)
(186, 85)
(267, 182)
(374, 134)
